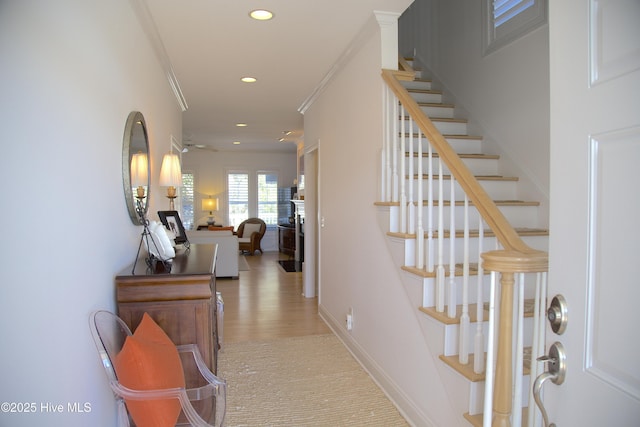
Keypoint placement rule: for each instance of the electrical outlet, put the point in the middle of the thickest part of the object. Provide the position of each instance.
(350, 319)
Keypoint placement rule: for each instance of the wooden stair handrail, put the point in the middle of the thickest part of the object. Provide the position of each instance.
(506, 234)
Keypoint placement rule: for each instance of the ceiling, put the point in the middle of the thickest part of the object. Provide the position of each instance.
(212, 44)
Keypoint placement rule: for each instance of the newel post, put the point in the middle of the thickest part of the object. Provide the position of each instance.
(508, 263)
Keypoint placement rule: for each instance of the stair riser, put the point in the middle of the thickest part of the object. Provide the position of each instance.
(497, 190)
(430, 283)
(437, 111)
(445, 128)
(476, 166)
(489, 243)
(429, 97)
(451, 336)
(461, 146)
(418, 84)
(518, 216)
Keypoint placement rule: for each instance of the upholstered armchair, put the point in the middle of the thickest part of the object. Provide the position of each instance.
(250, 234)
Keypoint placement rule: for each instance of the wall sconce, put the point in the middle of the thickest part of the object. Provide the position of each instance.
(171, 176)
(211, 205)
(139, 173)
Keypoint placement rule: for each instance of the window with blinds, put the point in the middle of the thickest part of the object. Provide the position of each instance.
(268, 197)
(186, 195)
(238, 190)
(507, 20)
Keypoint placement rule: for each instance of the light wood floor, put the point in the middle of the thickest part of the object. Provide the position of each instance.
(267, 303)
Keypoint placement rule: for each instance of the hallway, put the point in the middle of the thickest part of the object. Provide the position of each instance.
(266, 303)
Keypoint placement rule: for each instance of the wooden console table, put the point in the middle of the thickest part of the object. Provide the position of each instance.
(182, 301)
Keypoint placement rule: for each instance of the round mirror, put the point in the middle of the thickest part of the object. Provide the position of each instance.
(135, 166)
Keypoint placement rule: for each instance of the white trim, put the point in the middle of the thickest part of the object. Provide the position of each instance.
(494, 38)
(410, 411)
(381, 21)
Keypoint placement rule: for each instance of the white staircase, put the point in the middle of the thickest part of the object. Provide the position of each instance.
(465, 386)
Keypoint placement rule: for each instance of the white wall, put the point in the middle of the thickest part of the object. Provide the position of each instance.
(356, 269)
(72, 70)
(210, 170)
(504, 94)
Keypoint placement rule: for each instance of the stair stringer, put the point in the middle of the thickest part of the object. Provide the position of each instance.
(453, 384)
(466, 396)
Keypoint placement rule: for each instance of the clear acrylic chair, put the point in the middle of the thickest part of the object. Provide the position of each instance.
(201, 406)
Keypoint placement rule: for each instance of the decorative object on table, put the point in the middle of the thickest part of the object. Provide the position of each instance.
(157, 249)
(162, 247)
(171, 220)
(211, 205)
(135, 164)
(171, 176)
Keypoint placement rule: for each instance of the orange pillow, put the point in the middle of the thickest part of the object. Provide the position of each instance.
(149, 361)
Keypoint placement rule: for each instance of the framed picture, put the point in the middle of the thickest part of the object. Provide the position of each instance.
(172, 221)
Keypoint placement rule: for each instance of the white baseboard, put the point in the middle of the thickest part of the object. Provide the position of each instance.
(413, 414)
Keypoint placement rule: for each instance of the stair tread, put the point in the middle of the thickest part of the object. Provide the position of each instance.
(431, 91)
(442, 317)
(477, 420)
(467, 370)
(447, 136)
(441, 119)
(461, 203)
(435, 104)
(522, 232)
(478, 177)
(461, 155)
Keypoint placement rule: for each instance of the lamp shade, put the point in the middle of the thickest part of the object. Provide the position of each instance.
(210, 204)
(170, 172)
(139, 170)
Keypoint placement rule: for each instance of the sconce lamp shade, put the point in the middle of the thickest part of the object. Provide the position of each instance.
(210, 204)
(139, 170)
(170, 172)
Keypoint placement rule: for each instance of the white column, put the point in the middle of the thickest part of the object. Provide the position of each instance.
(388, 22)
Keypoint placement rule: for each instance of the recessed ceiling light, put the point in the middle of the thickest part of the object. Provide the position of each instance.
(241, 125)
(249, 79)
(236, 142)
(261, 15)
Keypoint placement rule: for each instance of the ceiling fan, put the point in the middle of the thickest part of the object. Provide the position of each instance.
(189, 144)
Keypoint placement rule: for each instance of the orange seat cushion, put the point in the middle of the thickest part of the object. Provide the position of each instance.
(150, 361)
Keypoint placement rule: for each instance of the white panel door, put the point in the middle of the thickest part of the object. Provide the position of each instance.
(595, 209)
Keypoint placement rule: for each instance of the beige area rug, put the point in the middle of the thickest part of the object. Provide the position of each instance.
(303, 381)
(243, 265)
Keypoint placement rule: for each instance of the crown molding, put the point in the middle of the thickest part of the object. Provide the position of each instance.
(151, 30)
(379, 20)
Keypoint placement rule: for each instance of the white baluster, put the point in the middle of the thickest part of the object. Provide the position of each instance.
(394, 152)
(384, 173)
(403, 174)
(451, 303)
(440, 270)
(411, 228)
(489, 376)
(430, 260)
(420, 226)
(518, 369)
(464, 318)
(478, 357)
(538, 345)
